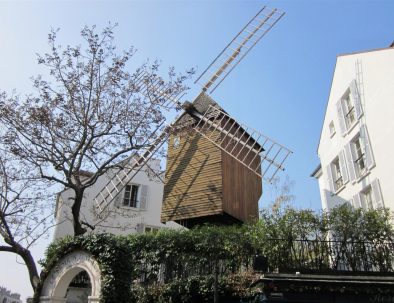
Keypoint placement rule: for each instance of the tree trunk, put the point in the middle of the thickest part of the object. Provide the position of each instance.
(27, 257)
(76, 209)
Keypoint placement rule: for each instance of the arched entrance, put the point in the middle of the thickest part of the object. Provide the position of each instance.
(68, 268)
(80, 288)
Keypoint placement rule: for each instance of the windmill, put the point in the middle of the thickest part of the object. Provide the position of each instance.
(215, 164)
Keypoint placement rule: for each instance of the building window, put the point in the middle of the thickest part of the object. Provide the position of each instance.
(332, 129)
(359, 156)
(336, 174)
(370, 196)
(367, 198)
(131, 196)
(349, 108)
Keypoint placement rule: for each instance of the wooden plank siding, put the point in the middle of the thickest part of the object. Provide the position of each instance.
(241, 190)
(203, 184)
(193, 180)
(241, 186)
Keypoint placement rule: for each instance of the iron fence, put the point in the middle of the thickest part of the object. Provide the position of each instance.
(330, 255)
(282, 255)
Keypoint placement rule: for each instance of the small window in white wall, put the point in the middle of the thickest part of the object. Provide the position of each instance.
(358, 150)
(359, 155)
(130, 197)
(370, 196)
(349, 108)
(332, 128)
(366, 198)
(135, 196)
(337, 174)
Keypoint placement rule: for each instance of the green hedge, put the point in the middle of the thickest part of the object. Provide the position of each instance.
(123, 260)
(185, 259)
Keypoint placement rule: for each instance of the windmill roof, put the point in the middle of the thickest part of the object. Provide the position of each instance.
(201, 104)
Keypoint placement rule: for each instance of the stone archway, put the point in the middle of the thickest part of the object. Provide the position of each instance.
(55, 286)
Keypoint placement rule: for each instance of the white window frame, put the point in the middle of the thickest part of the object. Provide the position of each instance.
(349, 110)
(131, 201)
(349, 105)
(141, 199)
(331, 128)
(359, 155)
(376, 198)
(337, 173)
(355, 155)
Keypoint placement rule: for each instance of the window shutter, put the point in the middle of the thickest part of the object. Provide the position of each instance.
(369, 160)
(377, 194)
(330, 180)
(341, 117)
(356, 98)
(143, 196)
(350, 162)
(357, 201)
(342, 166)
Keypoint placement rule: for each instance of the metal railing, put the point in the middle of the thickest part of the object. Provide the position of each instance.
(331, 255)
(284, 256)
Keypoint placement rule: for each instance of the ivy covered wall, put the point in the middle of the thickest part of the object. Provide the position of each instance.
(180, 266)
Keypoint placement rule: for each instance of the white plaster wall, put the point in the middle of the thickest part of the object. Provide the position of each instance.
(378, 109)
(128, 221)
(9, 299)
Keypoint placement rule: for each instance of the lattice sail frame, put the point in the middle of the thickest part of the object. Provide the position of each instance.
(257, 152)
(239, 47)
(163, 94)
(125, 174)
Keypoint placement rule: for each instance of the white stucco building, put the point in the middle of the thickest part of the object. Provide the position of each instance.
(357, 138)
(6, 296)
(135, 210)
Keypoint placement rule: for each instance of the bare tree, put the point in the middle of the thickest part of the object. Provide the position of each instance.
(24, 213)
(88, 114)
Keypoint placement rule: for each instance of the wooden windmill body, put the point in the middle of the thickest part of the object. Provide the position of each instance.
(215, 165)
(202, 182)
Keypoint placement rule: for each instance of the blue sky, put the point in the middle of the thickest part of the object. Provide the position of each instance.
(281, 88)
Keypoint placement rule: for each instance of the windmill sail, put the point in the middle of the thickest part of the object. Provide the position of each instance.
(156, 89)
(115, 185)
(257, 152)
(238, 48)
